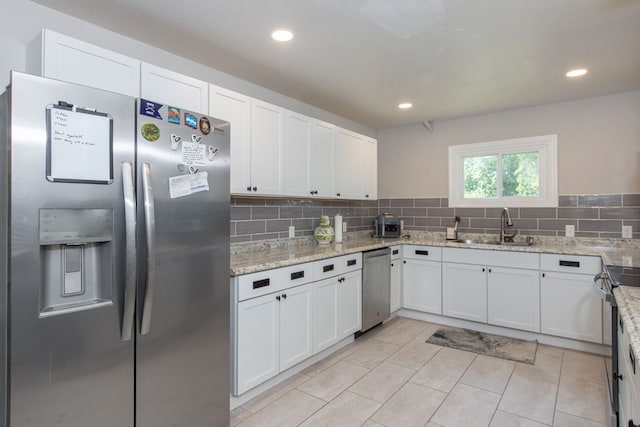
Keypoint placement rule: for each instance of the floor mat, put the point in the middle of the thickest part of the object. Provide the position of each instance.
(491, 345)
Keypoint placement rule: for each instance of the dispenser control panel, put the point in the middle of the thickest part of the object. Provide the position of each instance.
(65, 226)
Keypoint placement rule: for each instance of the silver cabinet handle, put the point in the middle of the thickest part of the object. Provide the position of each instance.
(150, 231)
(601, 291)
(130, 251)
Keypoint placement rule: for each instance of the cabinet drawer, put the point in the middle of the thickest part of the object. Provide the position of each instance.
(338, 265)
(264, 282)
(494, 258)
(571, 263)
(396, 252)
(431, 253)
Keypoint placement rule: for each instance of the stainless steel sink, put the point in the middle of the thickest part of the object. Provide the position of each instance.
(491, 242)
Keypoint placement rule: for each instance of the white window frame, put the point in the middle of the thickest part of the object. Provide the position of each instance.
(545, 145)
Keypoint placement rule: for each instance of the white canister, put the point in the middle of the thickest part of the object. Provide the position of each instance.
(338, 228)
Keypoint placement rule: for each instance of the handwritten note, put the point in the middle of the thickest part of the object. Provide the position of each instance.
(79, 144)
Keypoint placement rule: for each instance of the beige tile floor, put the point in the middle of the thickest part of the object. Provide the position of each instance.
(392, 377)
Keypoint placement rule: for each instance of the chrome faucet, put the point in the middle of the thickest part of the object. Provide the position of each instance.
(505, 221)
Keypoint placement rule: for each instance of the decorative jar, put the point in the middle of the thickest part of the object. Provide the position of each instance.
(324, 233)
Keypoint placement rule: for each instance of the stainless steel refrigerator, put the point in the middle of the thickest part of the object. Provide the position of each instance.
(114, 260)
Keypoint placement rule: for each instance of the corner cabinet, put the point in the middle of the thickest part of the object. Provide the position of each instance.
(168, 87)
(370, 169)
(569, 306)
(60, 57)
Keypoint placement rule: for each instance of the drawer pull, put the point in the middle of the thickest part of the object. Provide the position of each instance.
(327, 268)
(421, 252)
(395, 251)
(570, 263)
(257, 284)
(297, 275)
(351, 262)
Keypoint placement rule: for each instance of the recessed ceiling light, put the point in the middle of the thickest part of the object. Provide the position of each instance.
(282, 35)
(405, 105)
(577, 72)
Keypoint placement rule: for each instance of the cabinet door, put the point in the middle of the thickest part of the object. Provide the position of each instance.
(323, 140)
(235, 108)
(464, 291)
(349, 304)
(266, 148)
(395, 298)
(569, 308)
(60, 57)
(370, 169)
(325, 313)
(297, 154)
(168, 87)
(257, 340)
(295, 326)
(422, 285)
(349, 163)
(514, 298)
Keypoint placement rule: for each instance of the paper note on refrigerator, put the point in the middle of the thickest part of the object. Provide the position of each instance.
(185, 185)
(194, 154)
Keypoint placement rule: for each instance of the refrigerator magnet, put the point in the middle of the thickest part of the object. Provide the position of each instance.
(175, 141)
(173, 115)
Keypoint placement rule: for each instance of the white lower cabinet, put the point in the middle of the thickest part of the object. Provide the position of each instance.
(513, 298)
(325, 314)
(295, 326)
(569, 307)
(496, 287)
(464, 291)
(349, 303)
(274, 333)
(337, 300)
(422, 278)
(258, 337)
(395, 286)
(628, 382)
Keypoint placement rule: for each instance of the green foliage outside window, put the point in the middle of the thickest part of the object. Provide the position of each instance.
(520, 176)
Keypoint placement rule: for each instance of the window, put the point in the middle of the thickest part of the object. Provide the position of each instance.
(512, 173)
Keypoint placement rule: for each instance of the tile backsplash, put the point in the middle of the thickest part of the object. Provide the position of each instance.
(598, 216)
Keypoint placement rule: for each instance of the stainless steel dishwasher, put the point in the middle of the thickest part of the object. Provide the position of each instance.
(376, 277)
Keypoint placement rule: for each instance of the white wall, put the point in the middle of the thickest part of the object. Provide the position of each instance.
(22, 20)
(598, 146)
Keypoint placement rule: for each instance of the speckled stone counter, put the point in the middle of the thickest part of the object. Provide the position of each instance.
(267, 255)
(628, 300)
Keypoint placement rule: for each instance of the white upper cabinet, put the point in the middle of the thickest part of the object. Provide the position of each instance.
(267, 171)
(297, 154)
(370, 169)
(168, 87)
(61, 57)
(235, 108)
(322, 169)
(349, 164)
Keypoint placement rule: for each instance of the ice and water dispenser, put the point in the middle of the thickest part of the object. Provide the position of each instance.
(76, 259)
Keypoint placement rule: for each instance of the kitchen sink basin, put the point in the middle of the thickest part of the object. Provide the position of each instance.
(491, 242)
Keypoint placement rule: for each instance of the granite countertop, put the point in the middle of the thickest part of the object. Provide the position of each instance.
(264, 256)
(628, 300)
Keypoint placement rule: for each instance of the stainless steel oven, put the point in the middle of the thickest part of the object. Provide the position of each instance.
(603, 284)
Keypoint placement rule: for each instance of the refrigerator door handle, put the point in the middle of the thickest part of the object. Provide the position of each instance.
(130, 251)
(150, 231)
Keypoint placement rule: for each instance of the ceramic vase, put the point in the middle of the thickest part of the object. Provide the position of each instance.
(324, 233)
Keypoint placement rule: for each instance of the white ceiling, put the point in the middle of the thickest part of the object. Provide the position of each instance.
(360, 58)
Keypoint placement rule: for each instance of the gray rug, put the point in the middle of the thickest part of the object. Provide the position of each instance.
(489, 344)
